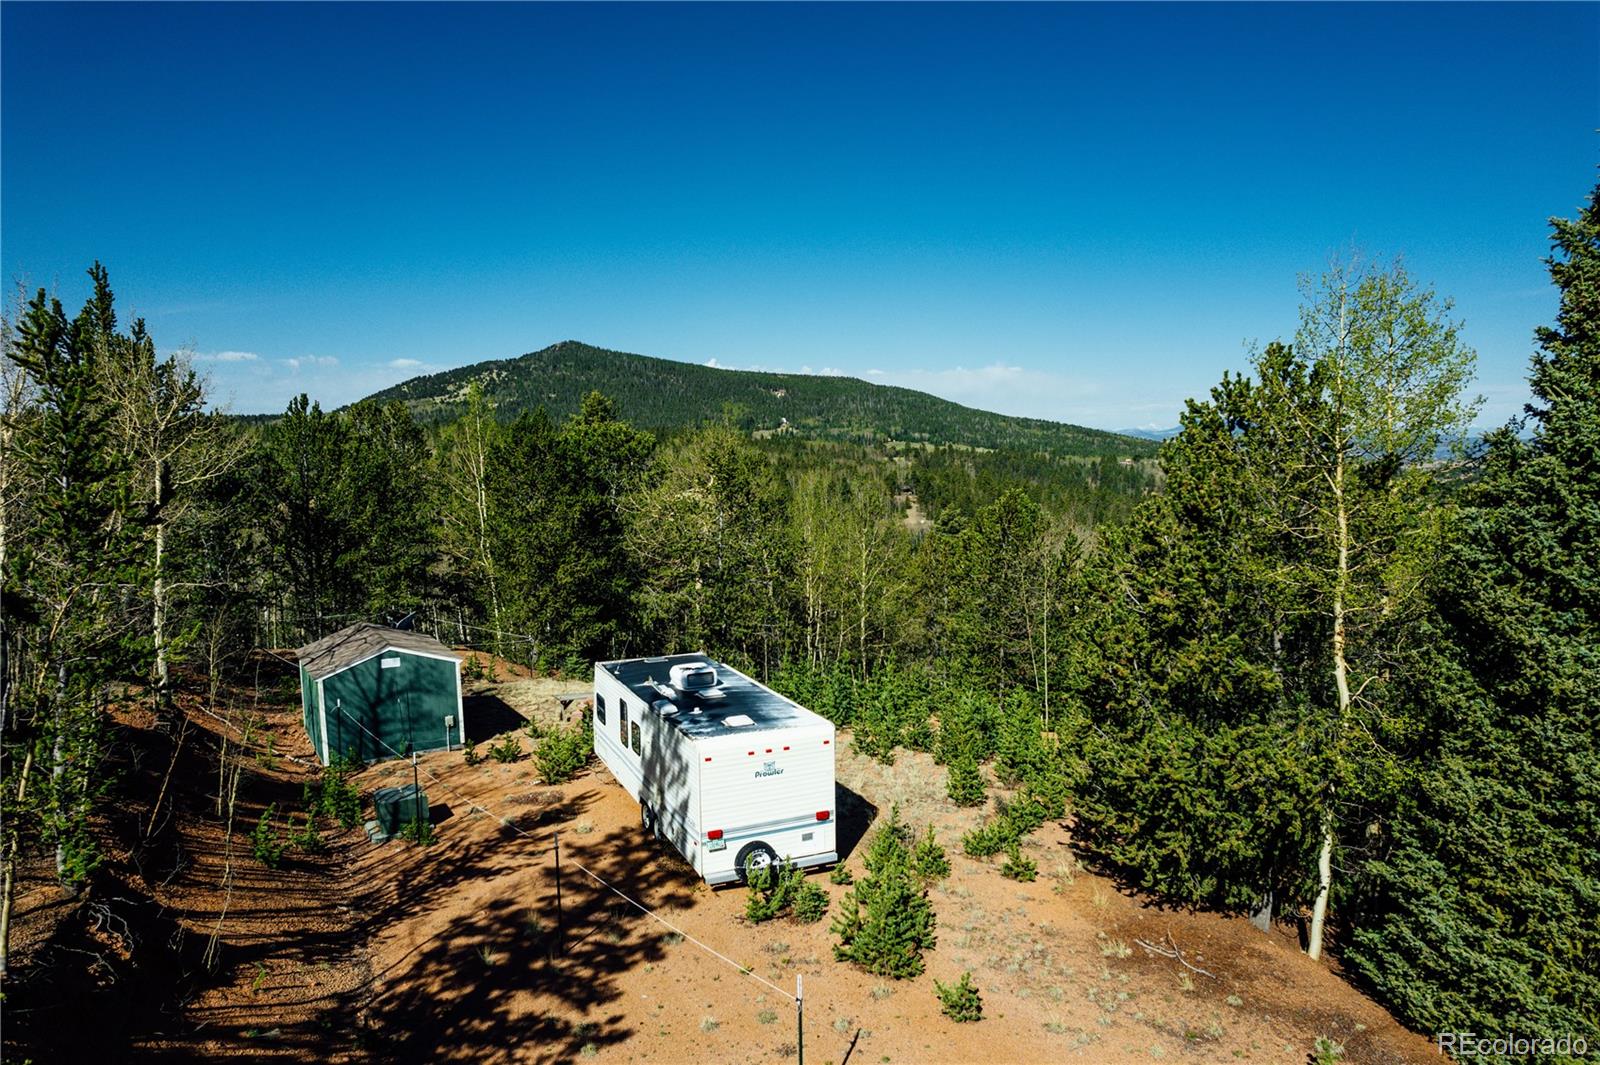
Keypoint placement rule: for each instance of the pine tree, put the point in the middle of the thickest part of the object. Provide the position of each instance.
(71, 581)
(886, 921)
(966, 787)
(1482, 909)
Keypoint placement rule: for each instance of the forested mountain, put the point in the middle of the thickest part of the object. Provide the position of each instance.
(1316, 668)
(660, 394)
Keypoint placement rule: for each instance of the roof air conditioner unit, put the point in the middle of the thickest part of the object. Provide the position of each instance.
(693, 677)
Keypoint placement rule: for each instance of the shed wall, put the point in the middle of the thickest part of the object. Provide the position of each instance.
(404, 706)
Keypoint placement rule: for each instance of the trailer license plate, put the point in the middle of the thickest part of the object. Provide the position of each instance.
(717, 845)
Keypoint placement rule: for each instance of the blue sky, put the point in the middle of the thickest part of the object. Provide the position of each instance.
(1075, 212)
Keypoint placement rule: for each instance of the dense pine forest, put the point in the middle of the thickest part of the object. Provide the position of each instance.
(1300, 661)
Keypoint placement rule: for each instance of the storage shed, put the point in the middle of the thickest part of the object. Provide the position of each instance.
(374, 692)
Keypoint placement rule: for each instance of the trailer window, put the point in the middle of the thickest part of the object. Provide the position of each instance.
(599, 709)
(622, 723)
(636, 745)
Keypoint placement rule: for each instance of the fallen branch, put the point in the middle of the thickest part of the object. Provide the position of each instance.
(1171, 951)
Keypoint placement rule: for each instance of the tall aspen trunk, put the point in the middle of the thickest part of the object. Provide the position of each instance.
(158, 600)
(1341, 680)
(8, 891)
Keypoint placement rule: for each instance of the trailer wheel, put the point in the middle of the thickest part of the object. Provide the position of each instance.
(648, 816)
(753, 856)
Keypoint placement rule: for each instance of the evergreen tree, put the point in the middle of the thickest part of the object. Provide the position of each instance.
(966, 787)
(885, 921)
(1481, 910)
(69, 583)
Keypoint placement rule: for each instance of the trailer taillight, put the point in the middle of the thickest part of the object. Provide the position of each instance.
(822, 815)
(715, 833)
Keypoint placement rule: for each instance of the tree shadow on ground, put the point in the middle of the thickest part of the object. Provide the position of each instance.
(518, 975)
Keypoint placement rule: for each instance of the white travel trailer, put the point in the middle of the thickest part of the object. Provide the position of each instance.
(736, 776)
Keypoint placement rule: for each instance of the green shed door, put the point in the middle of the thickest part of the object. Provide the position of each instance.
(391, 703)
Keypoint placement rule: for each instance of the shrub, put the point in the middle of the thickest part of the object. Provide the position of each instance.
(966, 787)
(306, 838)
(333, 795)
(810, 903)
(779, 889)
(472, 668)
(417, 831)
(507, 750)
(563, 752)
(1017, 866)
(265, 842)
(960, 1000)
(928, 861)
(771, 891)
(470, 755)
(841, 876)
(886, 920)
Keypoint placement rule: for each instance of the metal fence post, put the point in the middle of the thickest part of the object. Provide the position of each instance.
(800, 1018)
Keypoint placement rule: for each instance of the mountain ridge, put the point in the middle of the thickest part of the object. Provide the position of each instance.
(663, 394)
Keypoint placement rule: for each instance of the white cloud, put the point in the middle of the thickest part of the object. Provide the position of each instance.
(405, 364)
(230, 356)
(714, 364)
(310, 360)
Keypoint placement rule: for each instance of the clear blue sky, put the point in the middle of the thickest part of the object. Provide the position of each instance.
(1075, 212)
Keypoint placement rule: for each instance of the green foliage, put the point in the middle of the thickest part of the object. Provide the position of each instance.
(1018, 866)
(265, 842)
(507, 750)
(928, 861)
(841, 875)
(1478, 907)
(885, 921)
(1012, 821)
(960, 1001)
(419, 832)
(565, 751)
(76, 563)
(670, 395)
(966, 787)
(810, 903)
(334, 794)
(470, 755)
(782, 888)
(306, 838)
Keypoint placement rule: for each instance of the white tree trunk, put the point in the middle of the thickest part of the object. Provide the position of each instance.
(1341, 680)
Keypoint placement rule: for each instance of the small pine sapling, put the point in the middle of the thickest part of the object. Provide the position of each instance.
(928, 861)
(506, 751)
(966, 786)
(960, 1000)
(265, 843)
(306, 838)
(810, 903)
(841, 876)
(1017, 865)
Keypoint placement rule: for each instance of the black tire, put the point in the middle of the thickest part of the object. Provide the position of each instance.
(647, 817)
(752, 856)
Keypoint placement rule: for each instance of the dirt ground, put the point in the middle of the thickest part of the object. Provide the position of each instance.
(458, 951)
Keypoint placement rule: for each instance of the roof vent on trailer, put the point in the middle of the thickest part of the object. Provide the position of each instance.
(693, 677)
(738, 720)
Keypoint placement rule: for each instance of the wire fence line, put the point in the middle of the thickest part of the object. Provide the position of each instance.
(601, 881)
(508, 823)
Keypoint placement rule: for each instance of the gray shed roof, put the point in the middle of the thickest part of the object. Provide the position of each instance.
(359, 642)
